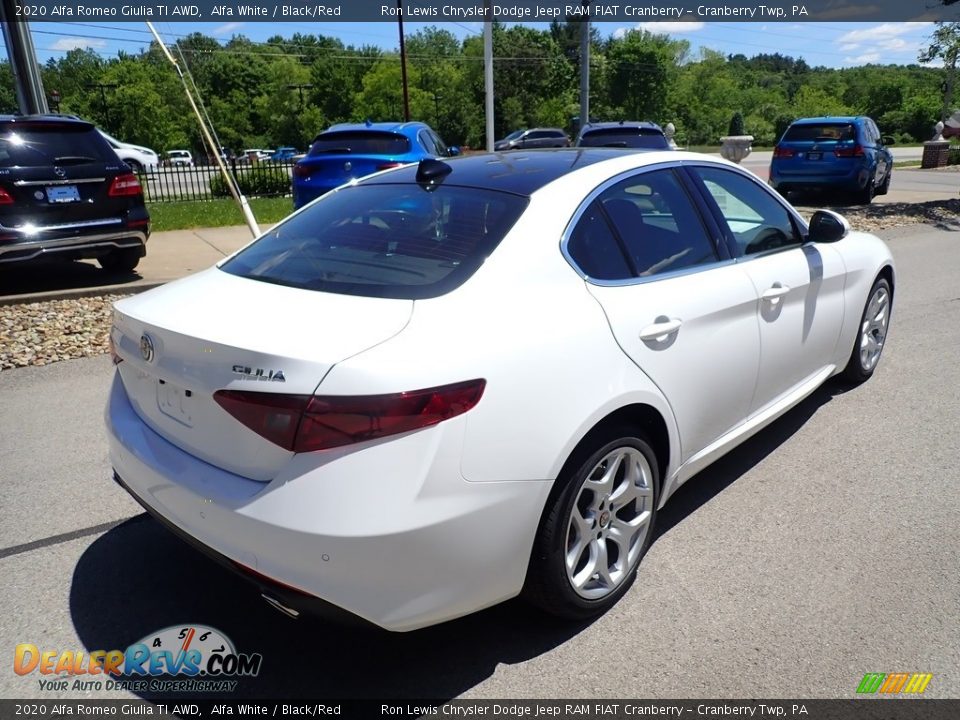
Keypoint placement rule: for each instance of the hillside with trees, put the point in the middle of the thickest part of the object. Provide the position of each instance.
(286, 90)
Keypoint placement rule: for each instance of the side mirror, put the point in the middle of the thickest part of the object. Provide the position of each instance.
(827, 226)
(888, 140)
(453, 151)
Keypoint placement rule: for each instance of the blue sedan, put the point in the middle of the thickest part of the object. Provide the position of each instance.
(350, 151)
(840, 153)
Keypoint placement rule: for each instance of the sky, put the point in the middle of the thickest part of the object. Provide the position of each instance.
(830, 44)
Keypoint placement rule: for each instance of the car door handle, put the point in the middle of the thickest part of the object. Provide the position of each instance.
(661, 328)
(775, 293)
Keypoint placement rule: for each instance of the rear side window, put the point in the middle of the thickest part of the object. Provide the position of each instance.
(360, 143)
(812, 132)
(625, 137)
(595, 249)
(395, 241)
(46, 145)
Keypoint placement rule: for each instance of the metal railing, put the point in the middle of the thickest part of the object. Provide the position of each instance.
(176, 183)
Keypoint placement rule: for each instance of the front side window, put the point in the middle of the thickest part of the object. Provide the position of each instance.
(758, 222)
(658, 223)
(384, 240)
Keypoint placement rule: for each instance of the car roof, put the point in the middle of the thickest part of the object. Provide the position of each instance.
(828, 118)
(394, 127)
(51, 118)
(622, 123)
(526, 171)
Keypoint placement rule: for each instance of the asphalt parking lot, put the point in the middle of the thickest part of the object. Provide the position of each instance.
(824, 548)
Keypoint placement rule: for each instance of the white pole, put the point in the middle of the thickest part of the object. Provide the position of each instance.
(585, 69)
(234, 190)
(488, 72)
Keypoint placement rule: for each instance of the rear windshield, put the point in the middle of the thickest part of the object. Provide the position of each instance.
(42, 146)
(821, 131)
(625, 137)
(394, 241)
(364, 142)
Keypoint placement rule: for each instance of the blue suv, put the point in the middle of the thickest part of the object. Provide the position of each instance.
(350, 151)
(833, 153)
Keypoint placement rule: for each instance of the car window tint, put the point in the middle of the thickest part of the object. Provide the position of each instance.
(811, 132)
(384, 240)
(440, 145)
(757, 220)
(624, 137)
(53, 144)
(594, 248)
(364, 142)
(658, 223)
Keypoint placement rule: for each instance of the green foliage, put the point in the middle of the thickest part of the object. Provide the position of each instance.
(736, 124)
(263, 180)
(287, 90)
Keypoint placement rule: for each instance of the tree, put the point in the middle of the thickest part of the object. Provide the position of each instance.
(945, 45)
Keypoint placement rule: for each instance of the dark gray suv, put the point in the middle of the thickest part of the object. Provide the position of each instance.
(64, 193)
(532, 139)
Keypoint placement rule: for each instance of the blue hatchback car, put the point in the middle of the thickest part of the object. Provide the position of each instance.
(833, 153)
(350, 151)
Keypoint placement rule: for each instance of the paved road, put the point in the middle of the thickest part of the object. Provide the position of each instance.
(822, 549)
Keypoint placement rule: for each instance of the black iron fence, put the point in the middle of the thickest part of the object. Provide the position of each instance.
(175, 183)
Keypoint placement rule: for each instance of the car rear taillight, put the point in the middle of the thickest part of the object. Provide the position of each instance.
(124, 186)
(855, 151)
(306, 423)
(782, 152)
(5, 197)
(301, 171)
(387, 166)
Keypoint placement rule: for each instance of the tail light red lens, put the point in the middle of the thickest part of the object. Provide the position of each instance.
(5, 197)
(301, 171)
(125, 185)
(782, 152)
(305, 423)
(387, 166)
(855, 151)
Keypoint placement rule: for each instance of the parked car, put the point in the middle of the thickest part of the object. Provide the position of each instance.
(349, 151)
(65, 194)
(178, 157)
(139, 158)
(639, 135)
(833, 153)
(283, 154)
(255, 155)
(534, 138)
(427, 404)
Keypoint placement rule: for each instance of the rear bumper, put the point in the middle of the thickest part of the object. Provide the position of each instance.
(391, 533)
(855, 179)
(56, 243)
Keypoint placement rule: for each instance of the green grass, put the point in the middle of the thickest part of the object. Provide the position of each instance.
(215, 213)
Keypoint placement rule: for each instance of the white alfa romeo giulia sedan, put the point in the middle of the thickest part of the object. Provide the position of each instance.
(452, 383)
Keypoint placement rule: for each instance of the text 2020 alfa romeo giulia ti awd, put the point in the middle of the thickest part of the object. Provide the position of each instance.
(454, 382)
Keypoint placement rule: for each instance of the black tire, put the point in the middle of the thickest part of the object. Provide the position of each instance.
(885, 185)
(864, 196)
(857, 370)
(124, 260)
(549, 585)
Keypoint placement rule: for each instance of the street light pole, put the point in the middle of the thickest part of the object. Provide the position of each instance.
(403, 64)
(103, 99)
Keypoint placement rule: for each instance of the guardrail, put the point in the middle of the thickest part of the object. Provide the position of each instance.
(176, 183)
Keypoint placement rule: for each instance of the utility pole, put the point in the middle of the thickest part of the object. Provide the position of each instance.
(300, 88)
(488, 71)
(403, 64)
(103, 99)
(23, 60)
(585, 67)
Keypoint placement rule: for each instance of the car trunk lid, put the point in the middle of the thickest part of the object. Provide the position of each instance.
(214, 331)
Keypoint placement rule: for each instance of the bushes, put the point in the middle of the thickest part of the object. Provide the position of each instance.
(255, 181)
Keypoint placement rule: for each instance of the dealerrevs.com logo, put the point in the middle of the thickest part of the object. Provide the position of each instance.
(180, 658)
